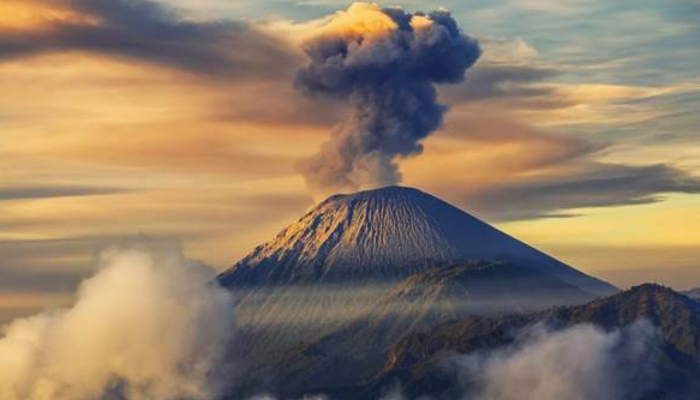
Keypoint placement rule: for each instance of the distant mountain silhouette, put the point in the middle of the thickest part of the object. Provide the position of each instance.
(415, 359)
(693, 293)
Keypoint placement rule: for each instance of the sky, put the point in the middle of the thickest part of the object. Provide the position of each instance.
(576, 131)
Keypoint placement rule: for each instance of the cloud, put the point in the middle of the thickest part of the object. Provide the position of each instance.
(493, 82)
(147, 31)
(614, 264)
(45, 281)
(44, 192)
(509, 159)
(384, 63)
(134, 333)
(579, 363)
(596, 185)
(286, 110)
(51, 266)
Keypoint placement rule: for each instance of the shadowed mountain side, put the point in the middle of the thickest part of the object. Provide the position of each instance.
(422, 362)
(355, 350)
(693, 293)
(418, 360)
(372, 317)
(443, 294)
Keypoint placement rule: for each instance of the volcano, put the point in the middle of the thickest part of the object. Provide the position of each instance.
(386, 235)
(373, 266)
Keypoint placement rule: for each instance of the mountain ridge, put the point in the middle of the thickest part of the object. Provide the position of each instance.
(676, 318)
(418, 361)
(693, 293)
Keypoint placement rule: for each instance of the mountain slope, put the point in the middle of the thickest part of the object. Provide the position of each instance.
(419, 361)
(355, 351)
(416, 359)
(382, 234)
(442, 294)
(693, 294)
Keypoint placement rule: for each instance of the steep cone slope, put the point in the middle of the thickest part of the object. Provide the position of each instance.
(387, 235)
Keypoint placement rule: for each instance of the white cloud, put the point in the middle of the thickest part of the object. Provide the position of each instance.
(579, 363)
(149, 325)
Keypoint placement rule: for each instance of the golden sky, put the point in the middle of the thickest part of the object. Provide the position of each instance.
(141, 120)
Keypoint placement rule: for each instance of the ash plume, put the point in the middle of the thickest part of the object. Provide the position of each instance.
(148, 325)
(385, 63)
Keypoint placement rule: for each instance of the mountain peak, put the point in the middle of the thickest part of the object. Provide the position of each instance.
(383, 192)
(649, 289)
(387, 234)
(693, 293)
(658, 304)
(651, 293)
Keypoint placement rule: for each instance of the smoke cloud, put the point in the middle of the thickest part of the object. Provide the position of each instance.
(384, 62)
(580, 363)
(148, 325)
(153, 32)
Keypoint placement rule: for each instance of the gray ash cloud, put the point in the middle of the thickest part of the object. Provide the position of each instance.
(385, 64)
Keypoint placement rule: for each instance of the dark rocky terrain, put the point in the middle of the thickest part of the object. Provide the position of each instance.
(693, 293)
(676, 317)
(417, 361)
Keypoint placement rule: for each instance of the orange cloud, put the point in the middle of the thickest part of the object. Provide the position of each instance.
(31, 301)
(361, 20)
(36, 14)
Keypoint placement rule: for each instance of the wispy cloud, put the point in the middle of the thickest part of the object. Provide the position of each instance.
(596, 185)
(147, 31)
(43, 192)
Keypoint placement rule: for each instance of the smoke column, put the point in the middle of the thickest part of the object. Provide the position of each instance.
(384, 62)
(149, 325)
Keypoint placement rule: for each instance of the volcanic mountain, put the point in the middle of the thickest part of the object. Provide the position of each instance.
(387, 234)
(373, 266)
